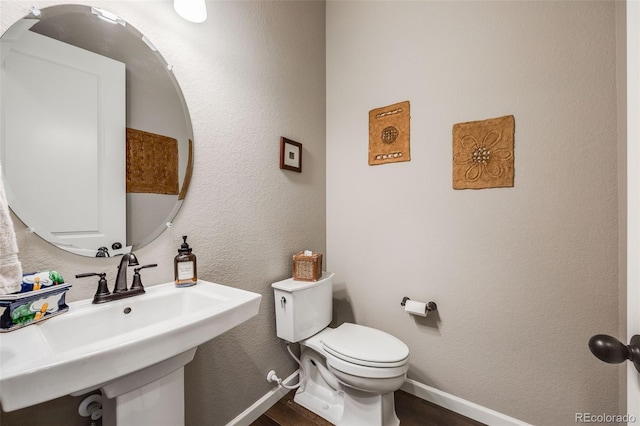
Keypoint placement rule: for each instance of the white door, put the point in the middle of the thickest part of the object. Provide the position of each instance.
(633, 198)
(609, 348)
(63, 119)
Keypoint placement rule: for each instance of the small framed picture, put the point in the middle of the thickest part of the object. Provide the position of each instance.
(290, 155)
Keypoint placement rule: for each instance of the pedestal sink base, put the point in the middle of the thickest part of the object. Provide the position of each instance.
(153, 396)
(156, 404)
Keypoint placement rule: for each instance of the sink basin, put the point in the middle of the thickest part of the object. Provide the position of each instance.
(94, 346)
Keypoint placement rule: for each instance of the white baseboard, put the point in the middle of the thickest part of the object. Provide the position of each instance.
(436, 396)
(259, 407)
(459, 405)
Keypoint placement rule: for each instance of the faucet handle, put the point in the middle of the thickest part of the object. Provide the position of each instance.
(137, 280)
(103, 289)
(151, 265)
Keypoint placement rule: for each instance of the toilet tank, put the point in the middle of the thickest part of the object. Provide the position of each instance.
(303, 308)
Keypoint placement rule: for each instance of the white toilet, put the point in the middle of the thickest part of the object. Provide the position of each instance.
(350, 372)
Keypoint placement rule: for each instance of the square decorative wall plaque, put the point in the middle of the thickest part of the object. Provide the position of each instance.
(290, 155)
(483, 153)
(389, 134)
(152, 163)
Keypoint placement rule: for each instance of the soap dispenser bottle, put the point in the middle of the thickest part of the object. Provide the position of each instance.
(185, 270)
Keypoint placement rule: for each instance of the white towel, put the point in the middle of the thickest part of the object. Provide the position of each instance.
(10, 267)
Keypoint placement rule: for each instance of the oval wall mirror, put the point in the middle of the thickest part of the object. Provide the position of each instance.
(96, 139)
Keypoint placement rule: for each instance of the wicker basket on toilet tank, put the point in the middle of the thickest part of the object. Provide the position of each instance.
(307, 267)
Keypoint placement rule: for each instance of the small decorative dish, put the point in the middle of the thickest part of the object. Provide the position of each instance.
(22, 309)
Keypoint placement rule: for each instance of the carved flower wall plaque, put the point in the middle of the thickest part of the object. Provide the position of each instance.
(483, 153)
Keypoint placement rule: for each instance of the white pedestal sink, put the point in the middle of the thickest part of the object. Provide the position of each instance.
(133, 349)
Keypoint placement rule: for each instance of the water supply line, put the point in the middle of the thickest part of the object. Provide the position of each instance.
(272, 377)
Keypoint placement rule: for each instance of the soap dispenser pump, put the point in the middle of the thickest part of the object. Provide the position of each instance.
(185, 268)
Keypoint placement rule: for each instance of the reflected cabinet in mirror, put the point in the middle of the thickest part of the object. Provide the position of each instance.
(96, 140)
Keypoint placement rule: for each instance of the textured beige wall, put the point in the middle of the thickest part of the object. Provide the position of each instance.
(254, 71)
(621, 77)
(523, 276)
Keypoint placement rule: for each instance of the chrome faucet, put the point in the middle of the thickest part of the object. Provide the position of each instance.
(128, 259)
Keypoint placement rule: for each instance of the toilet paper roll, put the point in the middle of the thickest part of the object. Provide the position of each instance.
(415, 308)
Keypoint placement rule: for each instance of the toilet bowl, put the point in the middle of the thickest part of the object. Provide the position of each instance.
(359, 368)
(349, 373)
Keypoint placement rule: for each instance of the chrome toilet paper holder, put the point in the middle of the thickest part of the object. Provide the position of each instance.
(431, 306)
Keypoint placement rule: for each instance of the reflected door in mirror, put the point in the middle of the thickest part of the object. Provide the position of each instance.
(65, 176)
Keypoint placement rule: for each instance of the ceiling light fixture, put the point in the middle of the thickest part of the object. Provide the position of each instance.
(191, 10)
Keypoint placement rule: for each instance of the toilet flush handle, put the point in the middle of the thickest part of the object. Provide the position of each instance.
(283, 302)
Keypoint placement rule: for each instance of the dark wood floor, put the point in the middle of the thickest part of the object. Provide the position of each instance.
(411, 411)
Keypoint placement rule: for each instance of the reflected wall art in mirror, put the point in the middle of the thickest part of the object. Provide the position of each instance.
(95, 139)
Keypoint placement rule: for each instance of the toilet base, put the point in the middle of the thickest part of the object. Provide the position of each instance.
(331, 412)
(363, 408)
(315, 393)
(323, 395)
(356, 408)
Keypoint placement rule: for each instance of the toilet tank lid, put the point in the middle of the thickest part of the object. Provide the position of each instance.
(290, 285)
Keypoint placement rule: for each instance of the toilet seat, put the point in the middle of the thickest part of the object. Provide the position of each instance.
(362, 362)
(365, 346)
(365, 352)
